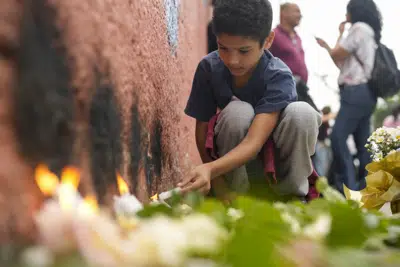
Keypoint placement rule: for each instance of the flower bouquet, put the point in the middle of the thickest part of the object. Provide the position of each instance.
(383, 180)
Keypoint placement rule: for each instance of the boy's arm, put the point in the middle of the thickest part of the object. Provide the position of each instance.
(259, 131)
(201, 135)
(218, 183)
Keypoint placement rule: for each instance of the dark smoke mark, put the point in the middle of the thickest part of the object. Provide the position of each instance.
(154, 161)
(135, 145)
(42, 96)
(105, 137)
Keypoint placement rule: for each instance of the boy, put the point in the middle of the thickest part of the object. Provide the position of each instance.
(256, 95)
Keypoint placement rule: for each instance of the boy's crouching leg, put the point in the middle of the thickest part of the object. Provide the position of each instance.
(295, 138)
(232, 126)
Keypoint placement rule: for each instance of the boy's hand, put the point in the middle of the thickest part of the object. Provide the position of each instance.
(199, 179)
(226, 198)
(222, 191)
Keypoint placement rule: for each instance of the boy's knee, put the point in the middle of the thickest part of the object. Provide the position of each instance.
(302, 116)
(238, 115)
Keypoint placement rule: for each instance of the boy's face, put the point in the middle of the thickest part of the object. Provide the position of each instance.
(241, 54)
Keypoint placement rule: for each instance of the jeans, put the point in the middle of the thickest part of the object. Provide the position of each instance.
(322, 158)
(357, 103)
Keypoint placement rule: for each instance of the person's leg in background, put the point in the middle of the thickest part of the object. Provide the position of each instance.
(353, 106)
(363, 132)
(361, 136)
(322, 158)
(343, 168)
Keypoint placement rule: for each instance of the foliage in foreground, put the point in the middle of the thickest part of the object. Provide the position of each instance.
(326, 232)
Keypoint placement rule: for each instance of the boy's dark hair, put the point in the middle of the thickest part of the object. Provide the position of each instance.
(248, 18)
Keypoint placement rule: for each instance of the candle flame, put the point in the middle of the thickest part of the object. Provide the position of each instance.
(91, 202)
(46, 180)
(70, 176)
(122, 185)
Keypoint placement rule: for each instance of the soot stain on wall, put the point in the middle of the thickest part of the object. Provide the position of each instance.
(154, 155)
(105, 136)
(135, 144)
(42, 96)
(145, 150)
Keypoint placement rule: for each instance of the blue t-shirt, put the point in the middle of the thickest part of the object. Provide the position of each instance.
(270, 88)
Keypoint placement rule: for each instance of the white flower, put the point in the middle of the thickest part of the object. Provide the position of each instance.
(38, 256)
(320, 228)
(100, 242)
(374, 146)
(378, 156)
(372, 221)
(159, 241)
(204, 234)
(279, 206)
(235, 214)
(184, 209)
(55, 227)
(380, 131)
(292, 222)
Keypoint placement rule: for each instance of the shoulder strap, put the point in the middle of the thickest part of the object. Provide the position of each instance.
(358, 59)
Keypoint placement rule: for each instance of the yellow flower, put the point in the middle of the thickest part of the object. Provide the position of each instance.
(383, 183)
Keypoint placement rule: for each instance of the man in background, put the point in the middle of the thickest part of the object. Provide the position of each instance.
(288, 47)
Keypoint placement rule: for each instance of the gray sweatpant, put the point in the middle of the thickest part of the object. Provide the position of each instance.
(295, 137)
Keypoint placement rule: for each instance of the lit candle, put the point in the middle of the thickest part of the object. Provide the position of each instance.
(162, 197)
(55, 219)
(168, 194)
(126, 204)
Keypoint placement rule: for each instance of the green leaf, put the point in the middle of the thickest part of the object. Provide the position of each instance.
(256, 235)
(151, 210)
(348, 227)
(73, 260)
(174, 200)
(356, 257)
(193, 199)
(216, 210)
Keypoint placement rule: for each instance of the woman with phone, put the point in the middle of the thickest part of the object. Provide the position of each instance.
(354, 55)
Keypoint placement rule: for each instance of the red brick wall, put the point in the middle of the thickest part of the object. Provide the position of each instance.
(131, 38)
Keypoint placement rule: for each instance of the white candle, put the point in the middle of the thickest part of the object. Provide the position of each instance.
(168, 194)
(127, 205)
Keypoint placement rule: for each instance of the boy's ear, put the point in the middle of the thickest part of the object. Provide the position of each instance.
(270, 39)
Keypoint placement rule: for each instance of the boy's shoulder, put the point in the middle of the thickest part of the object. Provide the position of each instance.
(269, 64)
(212, 62)
(275, 63)
(273, 66)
